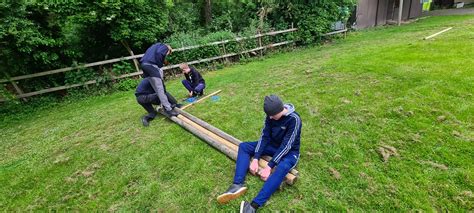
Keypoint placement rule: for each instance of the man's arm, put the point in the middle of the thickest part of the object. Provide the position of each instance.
(264, 139)
(197, 76)
(159, 58)
(160, 55)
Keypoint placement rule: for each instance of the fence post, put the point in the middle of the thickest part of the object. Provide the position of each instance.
(260, 42)
(135, 61)
(19, 91)
(225, 53)
(292, 34)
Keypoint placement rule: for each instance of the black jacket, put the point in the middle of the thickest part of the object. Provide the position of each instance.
(194, 77)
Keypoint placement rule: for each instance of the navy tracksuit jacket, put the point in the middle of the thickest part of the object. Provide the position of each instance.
(281, 140)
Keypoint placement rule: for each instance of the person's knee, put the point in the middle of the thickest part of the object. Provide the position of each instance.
(155, 79)
(245, 147)
(285, 166)
(184, 82)
(141, 99)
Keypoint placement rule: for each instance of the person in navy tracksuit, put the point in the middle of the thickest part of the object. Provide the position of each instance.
(151, 64)
(146, 97)
(194, 82)
(280, 139)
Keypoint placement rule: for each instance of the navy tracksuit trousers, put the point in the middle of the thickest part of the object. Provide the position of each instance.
(246, 151)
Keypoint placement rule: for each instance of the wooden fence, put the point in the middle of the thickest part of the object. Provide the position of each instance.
(21, 94)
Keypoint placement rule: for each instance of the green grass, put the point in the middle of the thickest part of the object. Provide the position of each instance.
(384, 86)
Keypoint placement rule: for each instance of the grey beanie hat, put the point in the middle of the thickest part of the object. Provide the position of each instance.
(272, 105)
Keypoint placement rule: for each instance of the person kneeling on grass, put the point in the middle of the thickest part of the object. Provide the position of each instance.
(152, 63)
(146, 96)
(280, 139)
(194, 82)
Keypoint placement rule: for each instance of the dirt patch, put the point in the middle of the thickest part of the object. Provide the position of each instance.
(386, 152)
(87, 173)
(436, 165)
(61, 159)
(456, 134)
(346, 101)
(358, 93)
(318, 154)
(441, 118)
(335, 173)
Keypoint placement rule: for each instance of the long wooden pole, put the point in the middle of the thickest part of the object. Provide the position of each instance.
(201, 99)
(213, 129)
(208, 139)
(442, 31)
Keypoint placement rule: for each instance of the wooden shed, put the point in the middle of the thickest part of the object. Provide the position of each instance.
(372, 13)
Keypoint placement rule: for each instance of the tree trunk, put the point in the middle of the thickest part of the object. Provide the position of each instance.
(207, 12)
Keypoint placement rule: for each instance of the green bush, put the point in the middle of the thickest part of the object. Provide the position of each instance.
(126, 84)
(39, 36)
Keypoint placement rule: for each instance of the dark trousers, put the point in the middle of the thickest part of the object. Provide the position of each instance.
(287, 162)
(198, 89)
(155, 75)
(147, 101)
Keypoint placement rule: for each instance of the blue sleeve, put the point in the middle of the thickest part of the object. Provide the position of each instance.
(264, 139)
(159, 58)
(160, 55)
(293, 128)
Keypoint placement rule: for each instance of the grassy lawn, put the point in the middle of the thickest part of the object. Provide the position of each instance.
(384, 86)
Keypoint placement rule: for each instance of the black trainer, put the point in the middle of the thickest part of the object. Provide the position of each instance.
(234, 191)
(246, 207)
(146, 121)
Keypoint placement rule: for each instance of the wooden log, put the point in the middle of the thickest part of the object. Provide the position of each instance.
(211, 128)
(209, 133)
(211, 141)
(201, 99)
(292, 171)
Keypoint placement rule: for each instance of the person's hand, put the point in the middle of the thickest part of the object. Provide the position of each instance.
(191, 94)
(265, 173)
(254, 167)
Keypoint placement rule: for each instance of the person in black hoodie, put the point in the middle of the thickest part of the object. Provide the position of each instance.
(146, 97)
(151, 64)
(194, 82)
